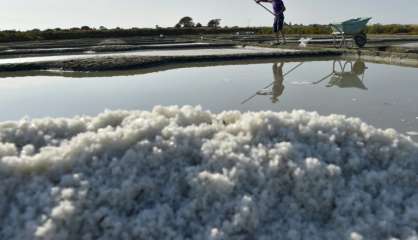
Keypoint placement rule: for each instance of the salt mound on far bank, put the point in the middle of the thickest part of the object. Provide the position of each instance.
(182, 173)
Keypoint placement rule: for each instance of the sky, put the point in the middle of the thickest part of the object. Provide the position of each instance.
(29, 14)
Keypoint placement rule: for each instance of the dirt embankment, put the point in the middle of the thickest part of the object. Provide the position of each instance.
(136, 62)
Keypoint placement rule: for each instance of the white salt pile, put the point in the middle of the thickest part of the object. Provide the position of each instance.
(303, 42)
(182, 173)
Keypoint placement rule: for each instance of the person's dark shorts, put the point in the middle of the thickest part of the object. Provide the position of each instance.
(278, 23)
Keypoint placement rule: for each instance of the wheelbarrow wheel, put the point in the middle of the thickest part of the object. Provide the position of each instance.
(360, 39)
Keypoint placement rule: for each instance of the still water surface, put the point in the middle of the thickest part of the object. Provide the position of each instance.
(383, 95)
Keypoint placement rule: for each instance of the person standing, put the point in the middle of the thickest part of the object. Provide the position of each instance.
(279, 9)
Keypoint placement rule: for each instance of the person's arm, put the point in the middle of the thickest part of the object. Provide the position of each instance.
(283, 7)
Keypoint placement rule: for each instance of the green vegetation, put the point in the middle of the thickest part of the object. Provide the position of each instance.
(186, 26)
(325, 29)
(76, 33)
(214, 23)
(300, 29)
(185, 22)
(392, 29)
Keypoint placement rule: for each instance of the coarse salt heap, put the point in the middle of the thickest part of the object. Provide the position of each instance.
(183, 173)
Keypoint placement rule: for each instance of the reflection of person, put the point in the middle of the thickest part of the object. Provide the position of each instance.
(278, 87)
(279, 10)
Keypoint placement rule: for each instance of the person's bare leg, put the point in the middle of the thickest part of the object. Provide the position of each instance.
(277, 38)
(275, 66)
(283, 37)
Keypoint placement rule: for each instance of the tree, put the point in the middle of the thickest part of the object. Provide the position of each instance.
(177, 25)
(102, 28)
(199, 25)
(214, 23)
(186, 22)
(85, 28)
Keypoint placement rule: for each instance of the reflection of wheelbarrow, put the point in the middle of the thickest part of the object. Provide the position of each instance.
(346, 79)
(353, 27)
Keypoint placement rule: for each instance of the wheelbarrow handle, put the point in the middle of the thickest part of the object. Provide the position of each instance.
(322, 79)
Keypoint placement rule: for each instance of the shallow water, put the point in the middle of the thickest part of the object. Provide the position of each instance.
(180, 52)
(412, 44)
(384, 95)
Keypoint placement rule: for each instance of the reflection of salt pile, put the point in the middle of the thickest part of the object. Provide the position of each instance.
(187, 174)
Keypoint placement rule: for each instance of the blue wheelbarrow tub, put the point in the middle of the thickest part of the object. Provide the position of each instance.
(351, 26)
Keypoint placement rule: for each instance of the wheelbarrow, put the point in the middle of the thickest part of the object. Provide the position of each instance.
(354, 27)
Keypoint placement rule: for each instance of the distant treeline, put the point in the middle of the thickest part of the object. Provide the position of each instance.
(371, 29)
(87, 32)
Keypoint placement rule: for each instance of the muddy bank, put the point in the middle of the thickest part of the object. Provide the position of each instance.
(138, 62)
(317, 40)
(146, 60)
(393, 58)
(132, 72)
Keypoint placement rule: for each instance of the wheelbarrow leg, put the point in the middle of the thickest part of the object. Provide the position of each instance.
(342, 41)
(336, 40)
